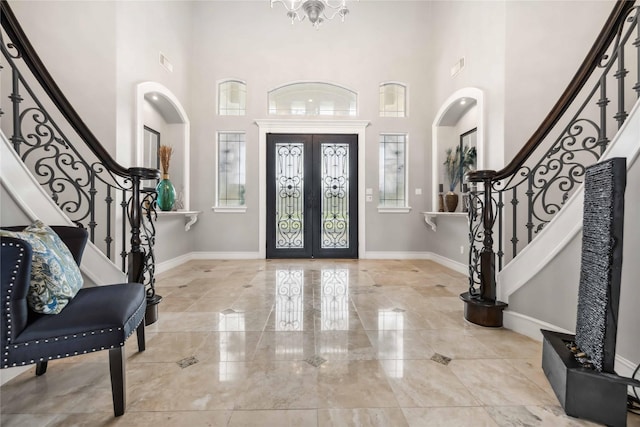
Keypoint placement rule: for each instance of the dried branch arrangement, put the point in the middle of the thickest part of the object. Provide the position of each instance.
(164, 153)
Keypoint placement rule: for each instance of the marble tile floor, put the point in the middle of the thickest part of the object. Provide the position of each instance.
(303, 343)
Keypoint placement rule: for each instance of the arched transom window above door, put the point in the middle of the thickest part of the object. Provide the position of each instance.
(312, 99)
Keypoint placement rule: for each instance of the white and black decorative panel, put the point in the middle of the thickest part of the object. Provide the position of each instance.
(335, 195)
(601, 265)
(290, 195)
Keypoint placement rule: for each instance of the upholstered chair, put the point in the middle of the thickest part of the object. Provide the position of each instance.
(97, 318)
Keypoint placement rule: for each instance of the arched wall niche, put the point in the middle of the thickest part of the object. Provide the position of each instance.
(177, 130)
(462, 111)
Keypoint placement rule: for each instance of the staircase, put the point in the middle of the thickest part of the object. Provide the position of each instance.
(48, 150)
(522, 215)
(525, 218)
(512, 206)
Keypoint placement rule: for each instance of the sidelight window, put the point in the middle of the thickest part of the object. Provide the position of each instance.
(231, 170)
(393, 171)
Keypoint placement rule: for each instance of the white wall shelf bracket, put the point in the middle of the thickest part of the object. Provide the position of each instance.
(191, 217)
(431, 217)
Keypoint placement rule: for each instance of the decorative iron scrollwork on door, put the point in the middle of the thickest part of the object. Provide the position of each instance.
(335, 196)
(290, 196)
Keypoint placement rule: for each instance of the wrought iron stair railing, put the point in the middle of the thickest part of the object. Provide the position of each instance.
(522, 198)
(69, 162)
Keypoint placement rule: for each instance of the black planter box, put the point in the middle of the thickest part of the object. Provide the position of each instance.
(582, 392)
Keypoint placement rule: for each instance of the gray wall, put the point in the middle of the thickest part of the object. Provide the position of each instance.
(76, 41)
(552, 295)
(98, 52)
(476, 31)
(143, 30)
(247, 41)
(512, 53)
(502, 42)
(535, 80)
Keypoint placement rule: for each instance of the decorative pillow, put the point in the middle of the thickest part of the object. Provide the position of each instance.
(55, 276)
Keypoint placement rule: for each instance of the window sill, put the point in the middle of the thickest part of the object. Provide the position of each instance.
(191, 216)
(229, 209)
(431, 217)
(403, 210)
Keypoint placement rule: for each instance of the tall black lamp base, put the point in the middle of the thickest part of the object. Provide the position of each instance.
(583, 393)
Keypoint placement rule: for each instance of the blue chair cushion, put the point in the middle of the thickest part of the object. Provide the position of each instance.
(97, 318)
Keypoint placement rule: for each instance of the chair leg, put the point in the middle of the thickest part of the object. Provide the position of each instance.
(140, 334)
(41, 367)
(118, 380)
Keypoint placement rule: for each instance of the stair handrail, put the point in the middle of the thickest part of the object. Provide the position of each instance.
(487, 204)
(40, 72)
(609, 31)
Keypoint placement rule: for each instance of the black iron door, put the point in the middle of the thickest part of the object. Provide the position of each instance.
(312, 199)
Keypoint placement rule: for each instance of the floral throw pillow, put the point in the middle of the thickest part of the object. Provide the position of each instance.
(55, 276)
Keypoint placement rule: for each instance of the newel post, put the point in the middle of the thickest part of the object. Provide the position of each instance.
(487, 256)
(480, 304)
(141, 257)
(136, 254)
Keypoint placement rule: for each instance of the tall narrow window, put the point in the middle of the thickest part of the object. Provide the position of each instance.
(393, 100)
(231, 169)
(393, 171)
(232, 98)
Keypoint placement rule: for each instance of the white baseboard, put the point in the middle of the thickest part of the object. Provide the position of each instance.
(395, 255)
(625, 367)
(163, 266)
(530, 327)
(449, 263)
(225, 255)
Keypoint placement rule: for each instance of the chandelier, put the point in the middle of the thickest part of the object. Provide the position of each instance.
(316, 10)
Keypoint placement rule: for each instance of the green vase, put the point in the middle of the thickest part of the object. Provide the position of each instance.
(166, 194)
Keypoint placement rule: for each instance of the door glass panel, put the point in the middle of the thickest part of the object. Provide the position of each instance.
(335, 196)
(289, 176)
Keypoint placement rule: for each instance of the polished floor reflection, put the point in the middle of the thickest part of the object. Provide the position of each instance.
(304, 343)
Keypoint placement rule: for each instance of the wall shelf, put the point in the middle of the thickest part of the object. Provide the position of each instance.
(431, 217)
(191, 217)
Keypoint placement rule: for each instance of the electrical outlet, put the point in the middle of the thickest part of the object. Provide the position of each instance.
(462, 250)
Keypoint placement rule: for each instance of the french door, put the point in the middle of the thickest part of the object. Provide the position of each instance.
(312, 200)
